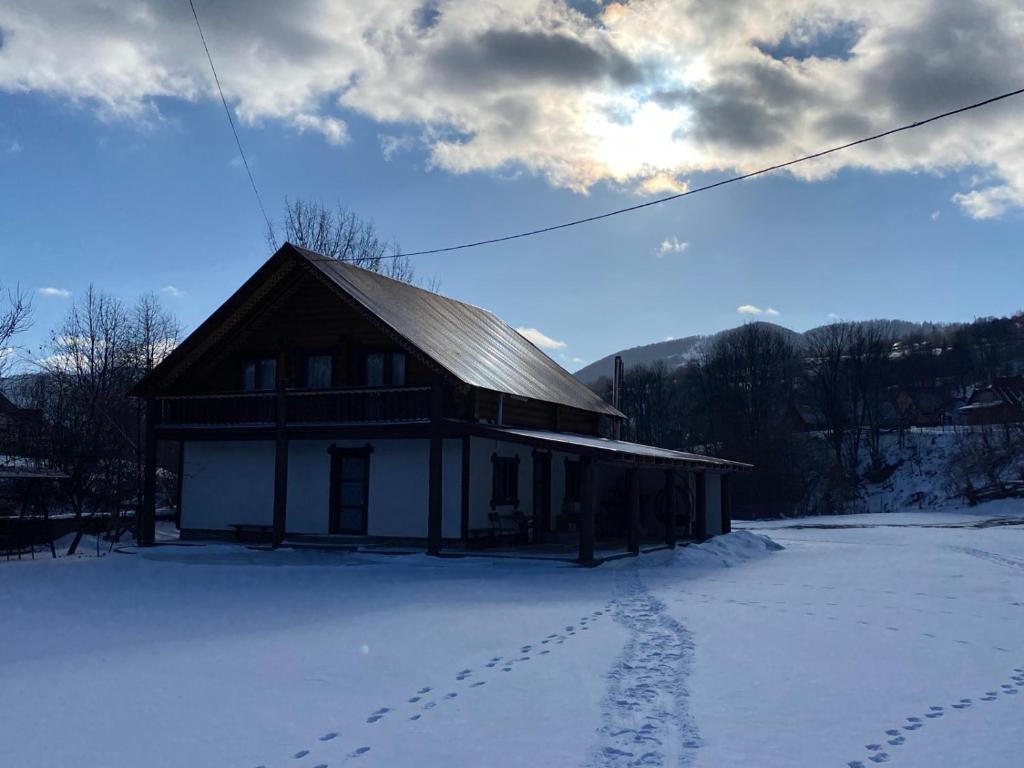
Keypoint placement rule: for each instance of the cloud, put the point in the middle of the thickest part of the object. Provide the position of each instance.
(13, 147)
(172, 291)
(750, 309)
(671, 245)
(935, 215)
(62, 293)
(990, 202)
(541, 340)
(640, 94)
(833, 316)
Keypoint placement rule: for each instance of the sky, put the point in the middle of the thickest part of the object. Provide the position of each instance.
(445, 122)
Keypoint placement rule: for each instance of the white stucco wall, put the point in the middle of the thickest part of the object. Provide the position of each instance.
(399, 478)
(713, 505)
(480, 478)
(233, 482)
(227, 482)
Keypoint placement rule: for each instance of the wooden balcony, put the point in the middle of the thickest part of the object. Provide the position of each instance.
(302, 406)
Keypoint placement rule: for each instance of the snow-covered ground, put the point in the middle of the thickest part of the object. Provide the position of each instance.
(893, 638)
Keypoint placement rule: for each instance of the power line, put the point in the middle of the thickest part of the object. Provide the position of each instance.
(231, 121)
(706, 187)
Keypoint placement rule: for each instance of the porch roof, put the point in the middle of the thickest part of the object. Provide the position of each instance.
(606, 448)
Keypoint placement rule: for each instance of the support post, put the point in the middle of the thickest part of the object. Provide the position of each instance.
(633, 535)
(726, 503)
(280, 454)
(701, 506)
(434, 498)
(588, 501)
(145, 522)
(670, 507)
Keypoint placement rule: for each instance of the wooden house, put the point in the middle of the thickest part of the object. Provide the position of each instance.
(325, 400)
(1001, 402)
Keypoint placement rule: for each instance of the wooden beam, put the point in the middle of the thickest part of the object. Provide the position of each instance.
(701, 506)
(588, 503)
(633, 534)
(726, 503)
(670, 507)
(280, 454)
(145, 522)
(464, 509)
(434, 495)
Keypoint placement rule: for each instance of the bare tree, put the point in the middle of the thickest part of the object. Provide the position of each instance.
(99, 352)
(15, 317)
(339, 233)
(827, 348)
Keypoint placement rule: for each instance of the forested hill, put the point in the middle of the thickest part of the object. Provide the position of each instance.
(677, 352)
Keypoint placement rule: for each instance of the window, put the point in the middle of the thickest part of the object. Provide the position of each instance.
(572, 481)
(385, 369)
(397, 378)
(505, 481)
(375, 369)
(318, 371)
(259, 374)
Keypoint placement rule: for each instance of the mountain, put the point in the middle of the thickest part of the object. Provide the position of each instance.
(674, 353)
(677, 352)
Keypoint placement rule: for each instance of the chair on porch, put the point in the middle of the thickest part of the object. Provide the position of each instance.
(501, 525)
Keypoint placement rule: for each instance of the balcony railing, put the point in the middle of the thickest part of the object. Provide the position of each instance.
(302, 406)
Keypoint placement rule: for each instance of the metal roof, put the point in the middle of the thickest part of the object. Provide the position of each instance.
(616, 449)
(474, 345)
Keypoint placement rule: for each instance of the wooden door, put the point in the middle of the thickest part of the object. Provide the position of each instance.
(350, 491)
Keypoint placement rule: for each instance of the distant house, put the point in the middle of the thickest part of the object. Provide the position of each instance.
(1001, 402)
(801, 417)
(20, 429)
(922, 406)
(326, 400)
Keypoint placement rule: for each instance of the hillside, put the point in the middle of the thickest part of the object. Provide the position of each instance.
(673, 353)
(676, 352)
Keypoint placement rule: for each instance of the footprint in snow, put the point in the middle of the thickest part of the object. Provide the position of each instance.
(873, 747)
(415, 717)
(855, 764)
(378, 715)
(491, 664)
(881, 757)
(329, 736)
(320, 765)
(478, 683)
(414, 699)
(450, 695)
(989, 696)
(359, 751)
(896, 741)
(424, 689)
(506, 669)
(300, 754)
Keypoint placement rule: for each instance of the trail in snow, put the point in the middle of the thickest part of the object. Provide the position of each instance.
(427, 698)
(646, 719)
(897, 736)
(992, 557)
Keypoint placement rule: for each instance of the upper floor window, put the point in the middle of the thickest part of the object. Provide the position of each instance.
(385, 369)
(260, 373)
(318, 371)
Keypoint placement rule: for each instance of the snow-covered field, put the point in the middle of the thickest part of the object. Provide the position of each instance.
(894, 638)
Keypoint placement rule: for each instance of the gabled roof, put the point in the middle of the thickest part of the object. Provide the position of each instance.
(473, 345)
